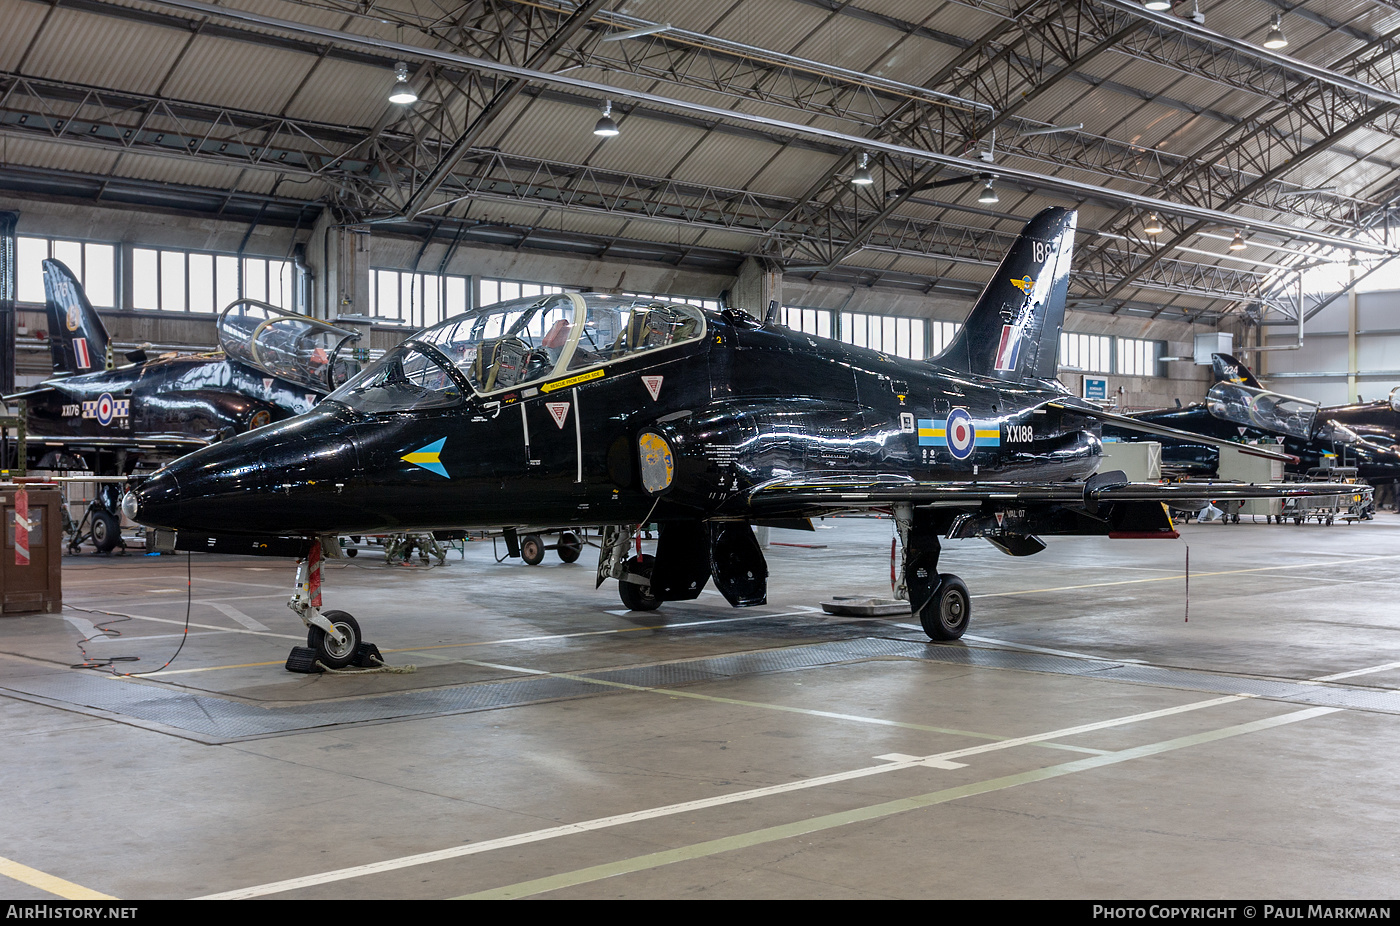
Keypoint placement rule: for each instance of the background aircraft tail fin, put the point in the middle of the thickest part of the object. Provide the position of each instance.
(1013, 332)
(77, 337)
(1229, 370)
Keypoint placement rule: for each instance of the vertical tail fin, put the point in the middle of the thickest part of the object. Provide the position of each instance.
(1227, 369)
(1013, 332)
(77, 337)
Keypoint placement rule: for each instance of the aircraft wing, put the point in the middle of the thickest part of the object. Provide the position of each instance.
(863, 491)
(142, 441)
(1134, 424)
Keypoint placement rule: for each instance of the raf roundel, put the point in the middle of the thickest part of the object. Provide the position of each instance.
(962, 433)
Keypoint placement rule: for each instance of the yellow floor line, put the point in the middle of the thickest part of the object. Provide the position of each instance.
(46, 882)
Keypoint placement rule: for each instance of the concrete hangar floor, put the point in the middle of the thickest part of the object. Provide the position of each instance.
(1082, 741)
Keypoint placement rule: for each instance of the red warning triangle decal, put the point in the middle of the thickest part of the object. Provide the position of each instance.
(653, 384)
(559, 411)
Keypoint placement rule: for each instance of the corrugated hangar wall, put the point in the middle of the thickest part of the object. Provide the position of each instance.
(1320, 369)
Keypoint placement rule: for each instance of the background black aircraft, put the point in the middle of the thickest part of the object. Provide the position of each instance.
(589, 409)
(108, 418)
(1237, 407)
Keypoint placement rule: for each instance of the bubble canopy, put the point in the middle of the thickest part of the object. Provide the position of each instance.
(297, 348)
(514, 344)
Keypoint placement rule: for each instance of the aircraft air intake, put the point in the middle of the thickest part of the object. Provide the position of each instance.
(1013, 332)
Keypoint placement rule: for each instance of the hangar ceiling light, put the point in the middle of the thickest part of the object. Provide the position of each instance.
(606, 127)
(1276, 39)
(862, 176)
(402, 92)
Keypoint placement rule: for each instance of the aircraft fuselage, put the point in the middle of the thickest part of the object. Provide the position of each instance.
(741, 405)
(181, 401)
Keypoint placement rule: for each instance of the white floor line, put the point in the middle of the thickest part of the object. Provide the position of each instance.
(180, 622)
(1355, 672)
(237, 615)
(570, 829)
(1040, 649)
(806, 827)
(751, 616)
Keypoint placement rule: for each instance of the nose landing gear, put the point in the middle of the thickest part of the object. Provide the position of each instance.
(333, 639)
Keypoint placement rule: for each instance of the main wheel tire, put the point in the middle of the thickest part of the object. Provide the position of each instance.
(331, 654)
(947, 614)
(638, 597)
(532, 549)
(106, 531)
(569, 547)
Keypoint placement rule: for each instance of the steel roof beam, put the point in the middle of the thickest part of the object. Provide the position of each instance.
(856, 142)
(1081, 151)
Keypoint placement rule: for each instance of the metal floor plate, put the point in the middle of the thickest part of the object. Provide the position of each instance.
(211, 719)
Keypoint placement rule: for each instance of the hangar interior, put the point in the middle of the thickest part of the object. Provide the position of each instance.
(859, 169)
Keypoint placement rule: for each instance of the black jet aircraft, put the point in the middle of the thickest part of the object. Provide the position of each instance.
(274, 364)
(1238, 408)
(582, 409)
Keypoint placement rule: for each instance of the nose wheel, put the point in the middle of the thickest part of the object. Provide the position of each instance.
(332, 653)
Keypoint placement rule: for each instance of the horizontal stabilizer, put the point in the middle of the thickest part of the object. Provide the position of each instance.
(1147, 427)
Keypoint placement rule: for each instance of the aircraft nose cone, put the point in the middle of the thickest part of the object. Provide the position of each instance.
(288, 477)
(155, 502)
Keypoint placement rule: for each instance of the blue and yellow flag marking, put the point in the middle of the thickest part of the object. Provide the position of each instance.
(427, 457)
(934, 432)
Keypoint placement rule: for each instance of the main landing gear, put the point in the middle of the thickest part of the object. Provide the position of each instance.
(688, 555)
(333, 639)
(940, 600)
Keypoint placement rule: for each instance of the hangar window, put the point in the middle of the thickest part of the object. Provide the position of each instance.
(808, 321)
(941, 334)
(93, 263)
(169, 280)
(420, 300)
(1092, 353)
(1137, 357)
(711, 304)
(1097, 353)
(490, 291)
(891, 334)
